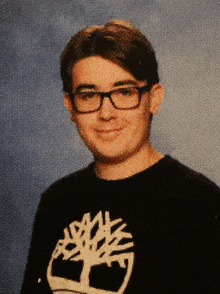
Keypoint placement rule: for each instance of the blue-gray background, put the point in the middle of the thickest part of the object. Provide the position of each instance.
(40, 144)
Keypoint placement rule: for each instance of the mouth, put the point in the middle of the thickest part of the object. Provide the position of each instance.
(108, 134)
(109, 130)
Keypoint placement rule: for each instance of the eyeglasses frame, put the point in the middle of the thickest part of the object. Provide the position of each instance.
(108, 94)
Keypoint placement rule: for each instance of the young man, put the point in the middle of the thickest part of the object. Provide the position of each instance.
(134, 220)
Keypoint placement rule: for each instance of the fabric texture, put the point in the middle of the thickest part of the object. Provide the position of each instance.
(155, 232)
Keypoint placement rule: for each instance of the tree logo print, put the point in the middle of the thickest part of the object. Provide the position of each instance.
(94, 257)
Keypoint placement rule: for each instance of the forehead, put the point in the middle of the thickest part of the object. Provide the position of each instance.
(100, 72)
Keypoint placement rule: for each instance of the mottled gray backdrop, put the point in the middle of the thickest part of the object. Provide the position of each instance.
(40, 144)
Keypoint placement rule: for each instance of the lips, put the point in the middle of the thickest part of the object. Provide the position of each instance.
(108, 134)
(109, 130)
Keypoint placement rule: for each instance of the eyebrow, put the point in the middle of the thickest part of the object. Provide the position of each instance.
(126, 82)
(85, 86)
(116, 84)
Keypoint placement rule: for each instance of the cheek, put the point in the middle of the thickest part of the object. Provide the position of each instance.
(141, 120)
(84, 125)
(141, 126)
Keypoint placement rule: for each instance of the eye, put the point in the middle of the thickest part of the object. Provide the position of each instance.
(130, 91)
(86, 95)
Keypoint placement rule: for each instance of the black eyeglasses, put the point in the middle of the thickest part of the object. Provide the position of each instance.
(122, 98)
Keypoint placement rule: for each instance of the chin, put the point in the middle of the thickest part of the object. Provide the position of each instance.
(111, 159)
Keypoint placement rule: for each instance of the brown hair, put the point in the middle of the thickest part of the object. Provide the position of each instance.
(118, 41)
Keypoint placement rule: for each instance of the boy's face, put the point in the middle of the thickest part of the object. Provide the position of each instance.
(111, 134)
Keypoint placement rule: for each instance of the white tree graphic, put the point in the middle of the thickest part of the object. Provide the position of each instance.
(94, 242)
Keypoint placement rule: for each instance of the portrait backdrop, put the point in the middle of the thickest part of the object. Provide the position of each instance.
(40, 144)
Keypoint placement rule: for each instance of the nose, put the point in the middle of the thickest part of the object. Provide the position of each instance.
(107, 110)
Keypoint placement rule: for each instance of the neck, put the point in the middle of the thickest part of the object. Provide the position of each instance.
(128, 167)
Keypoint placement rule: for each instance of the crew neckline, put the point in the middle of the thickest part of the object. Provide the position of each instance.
(148, 171)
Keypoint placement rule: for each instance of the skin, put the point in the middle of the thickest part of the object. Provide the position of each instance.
(118, 139)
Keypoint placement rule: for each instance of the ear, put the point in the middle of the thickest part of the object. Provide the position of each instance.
(157, 94)
(68, 105)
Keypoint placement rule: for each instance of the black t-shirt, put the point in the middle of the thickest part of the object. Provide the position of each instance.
(155, 232)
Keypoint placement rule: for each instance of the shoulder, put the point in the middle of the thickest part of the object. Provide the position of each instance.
(67, 186)
(189, 194)
(191, 186)
(183, 173)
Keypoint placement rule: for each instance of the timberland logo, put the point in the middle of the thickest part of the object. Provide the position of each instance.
(95, 257)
